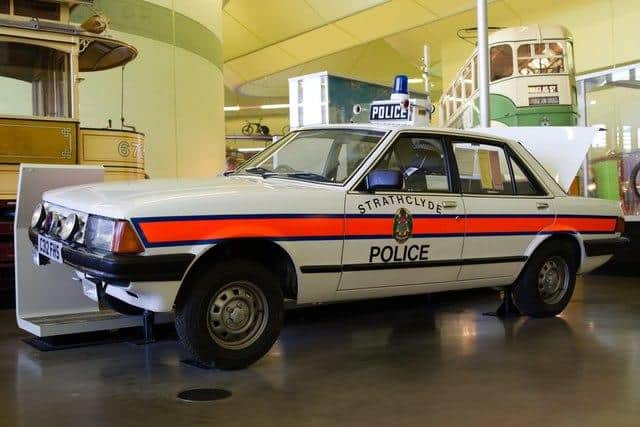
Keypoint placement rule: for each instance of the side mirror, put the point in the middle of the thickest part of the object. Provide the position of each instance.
(382, 179)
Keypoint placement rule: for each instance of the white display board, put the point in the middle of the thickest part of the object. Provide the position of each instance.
(48, 301)
(308, 97)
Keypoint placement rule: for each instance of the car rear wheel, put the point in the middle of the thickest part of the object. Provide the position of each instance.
(232, 315)
(547, 281)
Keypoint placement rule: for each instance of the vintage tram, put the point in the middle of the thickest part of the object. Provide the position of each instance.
(41, 57)
(532, 81)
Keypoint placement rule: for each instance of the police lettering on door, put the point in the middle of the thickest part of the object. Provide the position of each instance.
(388, 111)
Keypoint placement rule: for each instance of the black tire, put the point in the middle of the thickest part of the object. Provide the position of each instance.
(533, 294)
(195, 323)
(247, 129)
(121, 306)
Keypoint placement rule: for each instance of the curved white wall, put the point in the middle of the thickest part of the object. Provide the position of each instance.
(173, 91)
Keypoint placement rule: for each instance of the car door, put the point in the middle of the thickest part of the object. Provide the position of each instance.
(506, 208)
(410, 235)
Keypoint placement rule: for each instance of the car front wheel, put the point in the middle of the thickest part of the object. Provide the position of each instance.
(232, 315)
(547, 281)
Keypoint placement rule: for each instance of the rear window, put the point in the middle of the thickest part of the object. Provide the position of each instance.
(483, 168)
(493, 169)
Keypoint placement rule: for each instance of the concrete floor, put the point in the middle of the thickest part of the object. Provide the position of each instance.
(407, 361)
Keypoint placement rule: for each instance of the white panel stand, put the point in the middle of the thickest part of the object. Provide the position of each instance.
(48, 301)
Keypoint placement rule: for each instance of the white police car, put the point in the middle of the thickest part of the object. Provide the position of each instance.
(329, 213)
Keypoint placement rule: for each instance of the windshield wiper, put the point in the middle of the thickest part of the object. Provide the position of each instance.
(264, 172)
(311, 176)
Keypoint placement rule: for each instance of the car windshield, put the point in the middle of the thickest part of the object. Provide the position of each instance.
(327, 155)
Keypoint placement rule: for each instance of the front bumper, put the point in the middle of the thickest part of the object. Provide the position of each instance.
(121, 270)
(597, 247)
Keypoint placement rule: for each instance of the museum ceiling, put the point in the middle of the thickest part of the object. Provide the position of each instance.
(373, 40)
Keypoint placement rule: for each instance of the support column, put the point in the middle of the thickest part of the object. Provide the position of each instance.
(483, 63)
(173, 90)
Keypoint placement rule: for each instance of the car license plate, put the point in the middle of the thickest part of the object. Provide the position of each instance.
(50, 248)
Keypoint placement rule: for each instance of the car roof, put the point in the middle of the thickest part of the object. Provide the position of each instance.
(548, 181)
(399, 128)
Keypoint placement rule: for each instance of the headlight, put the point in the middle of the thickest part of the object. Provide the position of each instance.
(69, 226)
(117, 236)
(38, 216)
(99, 233)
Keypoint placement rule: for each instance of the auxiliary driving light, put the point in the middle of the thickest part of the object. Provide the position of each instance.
(69, 226)
(38, 216)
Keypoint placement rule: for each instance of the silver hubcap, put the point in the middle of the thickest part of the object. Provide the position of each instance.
(553, 280)
(237, 315)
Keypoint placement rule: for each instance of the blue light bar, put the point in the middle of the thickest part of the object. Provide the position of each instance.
(401, 84)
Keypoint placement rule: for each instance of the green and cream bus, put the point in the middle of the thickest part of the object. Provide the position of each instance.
(532, 81)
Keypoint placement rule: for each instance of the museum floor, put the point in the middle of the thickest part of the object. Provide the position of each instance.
(407, 361)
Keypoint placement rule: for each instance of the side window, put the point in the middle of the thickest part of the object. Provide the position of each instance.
(501, 61)
(349, 158)
(422, 161)
(483, 168)
(546, 58)
(524, 185)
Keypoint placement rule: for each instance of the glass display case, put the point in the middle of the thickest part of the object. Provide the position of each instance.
(610, 101)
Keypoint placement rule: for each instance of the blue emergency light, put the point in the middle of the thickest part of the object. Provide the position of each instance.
(401, 84)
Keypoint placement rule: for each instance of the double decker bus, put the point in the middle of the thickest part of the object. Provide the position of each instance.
(532, 81)
(41, 57)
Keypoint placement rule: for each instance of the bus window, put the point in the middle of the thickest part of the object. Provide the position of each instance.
(467, 82)
(457, 90)
(546, 58)
(524, 57)
(475, 72)
(501, 61)
(450, 102)
(4, 6)
(569, 56)
(34, 80)
(37, 9)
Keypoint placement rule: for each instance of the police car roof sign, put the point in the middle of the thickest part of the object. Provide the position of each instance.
(389, 111)
(399, 109)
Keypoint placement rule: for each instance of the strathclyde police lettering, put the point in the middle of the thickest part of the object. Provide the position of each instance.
(397, 253)
(397, 200)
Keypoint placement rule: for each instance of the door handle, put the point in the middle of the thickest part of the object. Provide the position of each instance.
(542, 205)
(449, 204)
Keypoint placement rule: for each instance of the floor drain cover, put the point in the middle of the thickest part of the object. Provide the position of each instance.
(203, 394)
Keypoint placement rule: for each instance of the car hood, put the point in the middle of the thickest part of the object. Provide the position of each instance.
(181, 197)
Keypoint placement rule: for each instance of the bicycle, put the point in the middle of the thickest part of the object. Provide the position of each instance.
(250, 127)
